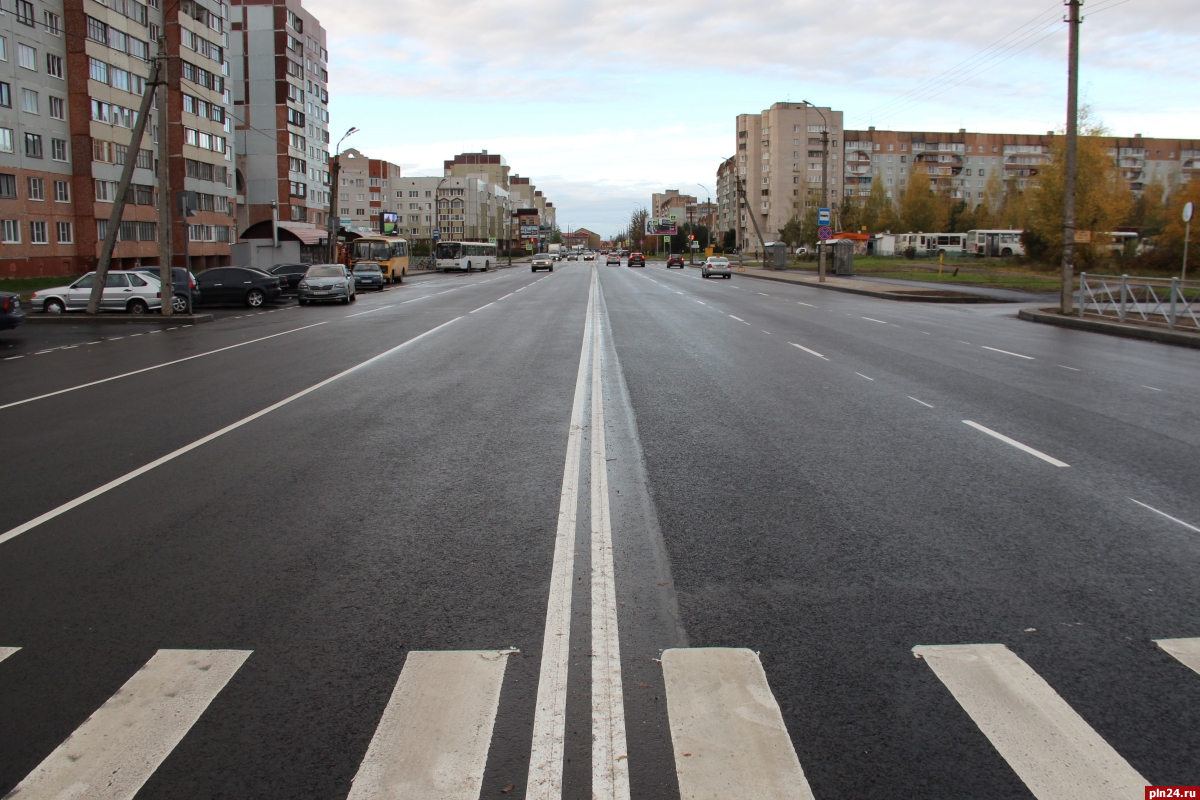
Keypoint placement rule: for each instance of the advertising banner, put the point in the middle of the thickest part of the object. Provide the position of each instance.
(389, 222)
(529, 231)
(663, 226)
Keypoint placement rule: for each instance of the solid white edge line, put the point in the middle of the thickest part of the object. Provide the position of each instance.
(1186, 651)
(156, 366)
(1073, 369)
(1016, 444)
(78, 501)
(1168, 516)
(610, 765)
(805, 349)
(372, 311)
(481, 308)
(915, 400)
(550, 713)
(1007, 352)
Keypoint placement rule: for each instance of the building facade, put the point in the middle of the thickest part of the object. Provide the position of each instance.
(365, 190)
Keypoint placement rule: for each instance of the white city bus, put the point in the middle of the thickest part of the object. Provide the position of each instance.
(932, 243)
(467, 256)
(995, 243)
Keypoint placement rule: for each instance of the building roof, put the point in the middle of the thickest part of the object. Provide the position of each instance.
(288, 231)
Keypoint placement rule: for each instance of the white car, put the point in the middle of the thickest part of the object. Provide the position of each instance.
(715, 265)
(130, 292)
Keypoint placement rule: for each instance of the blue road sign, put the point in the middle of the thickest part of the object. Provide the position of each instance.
(824, 232)
(437, 234)
(823, 217)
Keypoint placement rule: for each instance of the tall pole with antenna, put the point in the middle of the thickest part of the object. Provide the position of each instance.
(1068, 262)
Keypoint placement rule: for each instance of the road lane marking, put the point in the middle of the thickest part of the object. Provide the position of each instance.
(5, 652)
(764, 294)
(872, 319)
(1168, 516)
(1007, 352)
(1151, 388)
(1016, 444)
(915, 400)
(83, 498)
(810, 305)
(768, 333)
(550, 713)
(1050, 747)
(156, 366)
(13, 358)
(727, 732)
(372, 311)
(739, 319)
(433, 738)
(1070, 368)
(859, 374)
(960, 341)
(116, 750)
(805, 349)
(610, 764)
(481, 308)
(1187, 651)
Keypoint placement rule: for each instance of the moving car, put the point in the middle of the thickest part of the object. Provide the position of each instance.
(368, 275)
(289, 276)
(183, 284)
(675, 261)
(327, 282)
(715, 265)
(11, 314)
(589, 256)
(246, 285)
(637, 260)
(542, 261)
(131, 292)
(613, 258)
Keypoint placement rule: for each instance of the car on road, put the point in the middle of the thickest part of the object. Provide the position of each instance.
(130, 292)
(589, 256)
(637, 260)
(327, 282)
(542, 261)
(289, 276)
(675, 261)
(241, 285)
(11, 314)
(613, 258)
(715, 265)
(183, 284)
(368, 275)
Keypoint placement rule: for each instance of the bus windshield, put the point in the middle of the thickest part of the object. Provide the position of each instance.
(367, 250)
(449, 250)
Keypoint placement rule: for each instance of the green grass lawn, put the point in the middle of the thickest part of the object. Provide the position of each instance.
(27, 286)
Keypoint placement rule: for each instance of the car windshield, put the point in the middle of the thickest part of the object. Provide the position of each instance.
(324, 271)
(374, 250)
(718, 261)
(449, 249)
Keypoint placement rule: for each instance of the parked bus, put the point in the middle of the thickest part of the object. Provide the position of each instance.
(927, 244)
(466, 256)
(995, 243)
(390, 252)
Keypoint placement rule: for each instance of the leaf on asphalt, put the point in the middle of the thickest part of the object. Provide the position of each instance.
(687, 754)
(643, 685)
(621, 758)
(508, 788)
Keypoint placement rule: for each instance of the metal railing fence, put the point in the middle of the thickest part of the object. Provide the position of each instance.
(1169, 302)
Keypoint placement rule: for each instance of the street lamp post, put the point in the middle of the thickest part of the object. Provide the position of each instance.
(334, 197)
(711, 213)
(824, 185)
(436, 226)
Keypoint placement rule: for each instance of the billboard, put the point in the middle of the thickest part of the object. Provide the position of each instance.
(662, 226)
(389, 222)
(529, 231)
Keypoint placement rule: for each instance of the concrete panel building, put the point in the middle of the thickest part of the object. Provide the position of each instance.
(365, 189)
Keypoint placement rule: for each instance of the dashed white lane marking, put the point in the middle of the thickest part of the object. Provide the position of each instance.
(5, 652)
(1007, 352)
(1050, 747)
(1187, 651)
(915, 400)
(128, 476)
(134, 335)
(729, 737)
(481, 308)
(739, 319)
(768, 333)
(116, 750)
(156, 366)
(859, 374)
(433, 738)
(13, 358)
(1168, 516)
(415, 299)
(372, 311)
(1026, 448)
(872, 319)
(701, 302)
(960, 341)
(610, 764)
(1151, 388)
(764, 294)
(1073, 369)
(550, 713)
(805, 349)
(810, 305)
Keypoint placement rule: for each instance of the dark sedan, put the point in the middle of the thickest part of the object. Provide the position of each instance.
(289, 276)
(11, 314)
(242, 285)
(675, 260)
(637, 260)
(368, 275)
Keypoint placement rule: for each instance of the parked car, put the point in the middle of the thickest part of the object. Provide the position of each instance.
(327, 282)
(542, 261)
(11, 314)
(183, 284)
(131, 292)
(613, 258)
(715, 265)
(246, 285)
(637, 260)
(674, 261)
(368, 275)
(289, 276)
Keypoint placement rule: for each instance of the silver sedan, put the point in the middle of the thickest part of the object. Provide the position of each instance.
(326, 282)
(715, 265)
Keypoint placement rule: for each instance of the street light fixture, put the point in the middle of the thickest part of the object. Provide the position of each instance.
(331, 228)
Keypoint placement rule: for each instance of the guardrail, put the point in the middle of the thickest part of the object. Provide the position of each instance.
(1172, 303)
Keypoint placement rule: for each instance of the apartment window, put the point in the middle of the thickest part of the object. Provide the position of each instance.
(54, 65)
(298, 189)
(106, 191)
(5, 95)
(118, 78)
(147, 231)
(27, 57)
(65, 233)
(3, 49)
(62, 192)
(58, 108)
(296, 164)
(37, 232)
(25, 12)
(143, 195)
(37, 188)
(297, 141)
(117, 40)
(52, 23)
(6, 140)
(58, 149)
(29, 101)
(145, 159)
(33, 145)
(359, 212)
(295, 117)
(8, 186)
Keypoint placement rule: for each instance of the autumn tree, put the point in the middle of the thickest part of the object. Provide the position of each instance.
(919, 205)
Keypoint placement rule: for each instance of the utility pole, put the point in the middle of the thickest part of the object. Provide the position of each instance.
(332, 222)
(1068, 262)
(165, 196)
(118, 209)
(824, 184)
(751, 213)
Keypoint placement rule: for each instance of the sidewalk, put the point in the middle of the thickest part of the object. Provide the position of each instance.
(867, 288)
(1050, 316)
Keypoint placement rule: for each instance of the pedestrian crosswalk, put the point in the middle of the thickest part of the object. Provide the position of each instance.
(728, 735)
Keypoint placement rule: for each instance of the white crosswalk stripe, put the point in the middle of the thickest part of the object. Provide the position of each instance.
(1050, 747)
(1186, 650)
(116, 750)
(435, 733)
(5, 652)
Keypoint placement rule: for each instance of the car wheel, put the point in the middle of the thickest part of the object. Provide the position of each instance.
(399, 278)
(54, 306)
(137, 307)
(550, 268)
(533, 269)
(302, 301)
(255, 298)
(1006, 251)
(179, 304)
(728, 276)
(487, 265)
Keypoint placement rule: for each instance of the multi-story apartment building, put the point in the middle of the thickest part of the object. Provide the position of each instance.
(469, 209)
(490, 168)
(280, 81)
(727, 201)
(365, 189)
(666, 203)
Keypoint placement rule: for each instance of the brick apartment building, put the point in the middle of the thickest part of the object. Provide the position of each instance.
(366, 188)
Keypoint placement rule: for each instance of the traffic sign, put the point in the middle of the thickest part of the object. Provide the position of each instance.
(491, 240)
(823, 217)
(528, 246)
(667, 239)
(824, 232)
(437, 234)
(1187, 212)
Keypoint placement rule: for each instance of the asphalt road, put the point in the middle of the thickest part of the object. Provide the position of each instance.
(319, 493)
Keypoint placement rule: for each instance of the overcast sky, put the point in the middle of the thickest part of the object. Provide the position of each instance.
(602, 102)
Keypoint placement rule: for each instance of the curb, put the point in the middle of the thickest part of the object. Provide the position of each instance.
(126, 319)
(1052, 317)
(904, 297)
